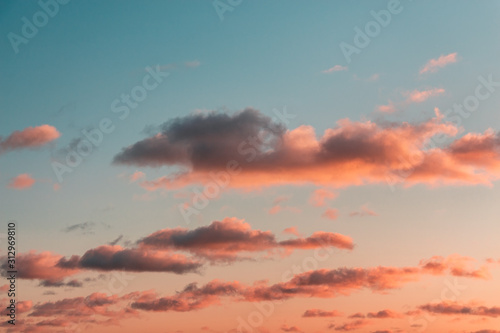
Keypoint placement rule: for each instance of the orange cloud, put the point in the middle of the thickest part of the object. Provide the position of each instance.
(455, 264)
(30, 137)
(252, 152)
(21, 182)
(41, 266)
(136, 176)
(331, 213)
(417, 96)
(434, 65)
(319, 196)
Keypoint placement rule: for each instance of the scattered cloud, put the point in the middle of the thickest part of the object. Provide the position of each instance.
(319, 196)
(29, 138)
(336, 68)
(22, 182)
(434, 65)
(331, 214)
(364, 211)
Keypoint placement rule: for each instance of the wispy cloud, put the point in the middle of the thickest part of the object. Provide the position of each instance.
(192, 64)
(434, 65)
(336, 68)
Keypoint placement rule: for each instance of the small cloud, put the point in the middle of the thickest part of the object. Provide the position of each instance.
(192, 64)
(115, 241)
(319, 196)
(292, 231)
(136, 176)
(389, 108)
(21, 182)
(85, 227)
(29, 138)
(434, 65)
(58, 284)
(331, 214)
(417, 96)
(336, 68)
(414, 96)
(364, 211)
(286, 328)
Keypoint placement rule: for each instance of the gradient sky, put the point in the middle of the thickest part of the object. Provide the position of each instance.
(371, 207)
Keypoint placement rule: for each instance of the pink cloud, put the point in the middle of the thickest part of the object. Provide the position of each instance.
(225, 240)
(434, 65)
(319, 196)
(21, 182)
(419, 96)
(292, 231)
(336, 68)
(358, 153)
(331, 214)
(415, 96)
(136, 176)
(364, 211)
(30, 137)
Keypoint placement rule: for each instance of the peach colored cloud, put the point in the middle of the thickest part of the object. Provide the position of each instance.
(353, 325)
(41, 266)
(331, 214)
(419, 96)
(319, 196)
(136, 176)
(324, 283)
(364, 211)
(384, 314)
(456, 265)
(287, 328)
(99, 309)
(247, 150)
(30, 137)
(434, 65)
(336, 68)
(21, 182)
(292, 231)
(414, 96)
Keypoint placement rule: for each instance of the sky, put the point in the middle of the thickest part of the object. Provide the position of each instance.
(242, 166)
